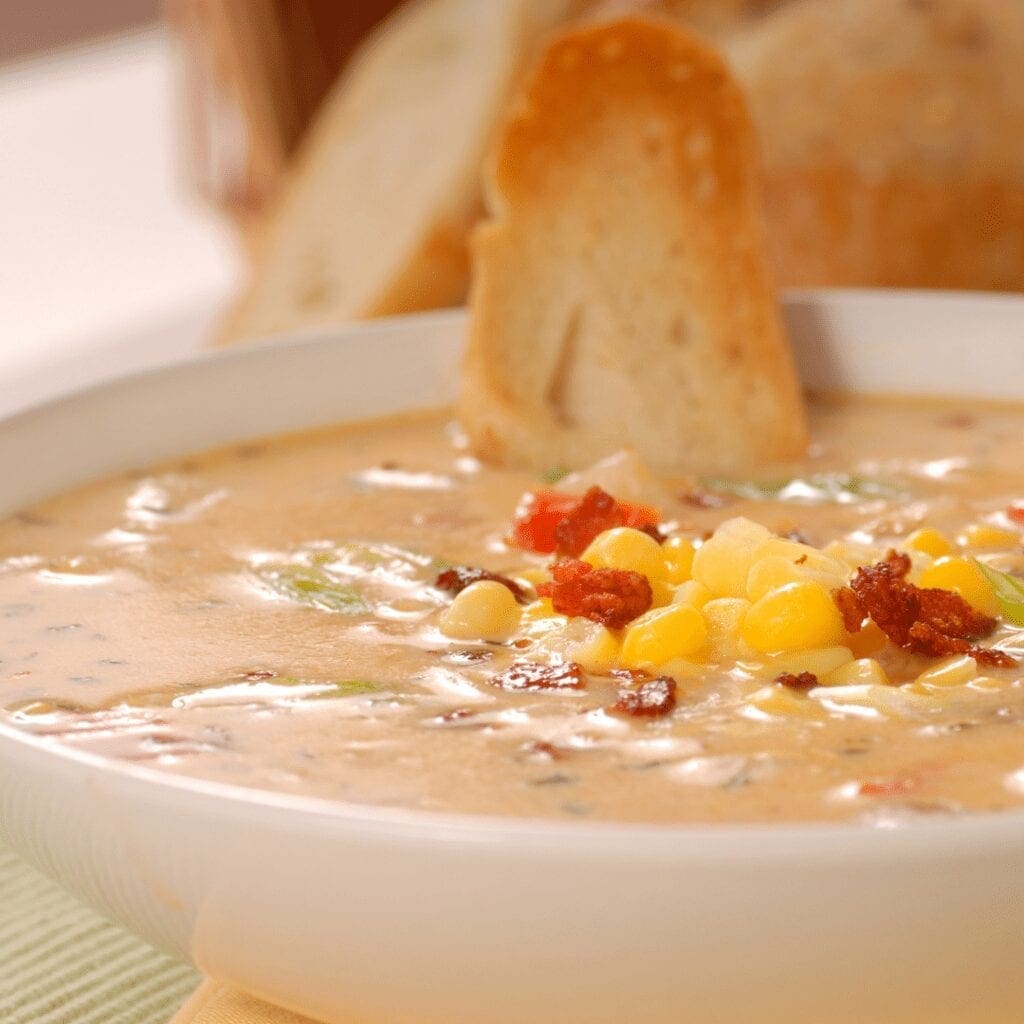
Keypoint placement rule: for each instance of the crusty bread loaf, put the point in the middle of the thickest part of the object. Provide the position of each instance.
(621, 291)
(892, 133)
(376, 218)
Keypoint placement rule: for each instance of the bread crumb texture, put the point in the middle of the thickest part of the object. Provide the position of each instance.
(622, 293)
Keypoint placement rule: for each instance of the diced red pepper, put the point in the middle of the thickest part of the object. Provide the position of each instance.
(899, 786)
(1015, 513)
(540, 514)
(537, 518)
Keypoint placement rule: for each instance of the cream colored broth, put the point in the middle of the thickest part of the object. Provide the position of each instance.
(153, 617)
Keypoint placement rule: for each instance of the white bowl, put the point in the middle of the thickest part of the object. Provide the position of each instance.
(370, 916)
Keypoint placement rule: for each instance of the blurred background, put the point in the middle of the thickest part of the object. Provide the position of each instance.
(108, 255)
(114, 251)
(148, 146)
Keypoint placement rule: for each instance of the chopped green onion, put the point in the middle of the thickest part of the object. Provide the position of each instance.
(311, 585)
(1009, 592)
(348, 688)
(815, 489)
(554, 474)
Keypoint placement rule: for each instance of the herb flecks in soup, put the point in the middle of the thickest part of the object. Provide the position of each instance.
(368, 615)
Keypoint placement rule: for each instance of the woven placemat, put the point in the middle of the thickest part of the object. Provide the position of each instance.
(61, 963)
(218, 1004)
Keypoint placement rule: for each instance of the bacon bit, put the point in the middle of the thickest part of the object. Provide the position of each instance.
(703, 499)
(932, 622)
(931, 641)
(612, 597)
(851, 609)
(468, 656)
(549, 521)
(804, 681)
(650, 699)
(1015, 513)
(456, 715)
(532, 675)
(458, 577)
(598, 511)
(459, 718)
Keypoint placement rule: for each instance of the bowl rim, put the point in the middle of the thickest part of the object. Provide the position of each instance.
(728, 841)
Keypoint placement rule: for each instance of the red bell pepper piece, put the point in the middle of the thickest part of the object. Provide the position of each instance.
(540, 514)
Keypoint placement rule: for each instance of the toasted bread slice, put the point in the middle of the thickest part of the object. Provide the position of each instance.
(376, 218)
(622, 293)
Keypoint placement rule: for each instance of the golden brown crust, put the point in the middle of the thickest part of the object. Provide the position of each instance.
(622, 291)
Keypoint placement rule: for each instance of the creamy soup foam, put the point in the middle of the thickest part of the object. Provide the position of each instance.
(266, 615)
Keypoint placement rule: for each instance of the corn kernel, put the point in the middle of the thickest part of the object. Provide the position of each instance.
(889, 701)
(589, 644)
(542, 608)
(683, 668)
(867, 641)
(774, 571)
(678, 552)
(723, 617)
(852, 555)
(855, 673)
(984, 535)
(485, 610)
(820, 661)
(626, 548)
(792, 618)
(953, 671)
(692, 593)
(782, 702)
(534, 575)
(930, 541)
(663, 634)
(964, 577)
(662, 593)
(987, 683)
(722, 563)
(808, 557)
(539, 620)
(919, 564)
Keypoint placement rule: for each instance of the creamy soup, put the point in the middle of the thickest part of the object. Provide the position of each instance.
(276, 615)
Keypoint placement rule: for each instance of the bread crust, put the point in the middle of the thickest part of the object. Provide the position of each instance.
(622, 294)
(893, 140)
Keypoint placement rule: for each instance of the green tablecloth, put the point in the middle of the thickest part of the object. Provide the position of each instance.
(61, 963)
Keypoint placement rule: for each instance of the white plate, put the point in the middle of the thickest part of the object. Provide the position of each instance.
(371, 916)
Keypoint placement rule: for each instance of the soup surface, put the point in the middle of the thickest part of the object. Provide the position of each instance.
(269, 615)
